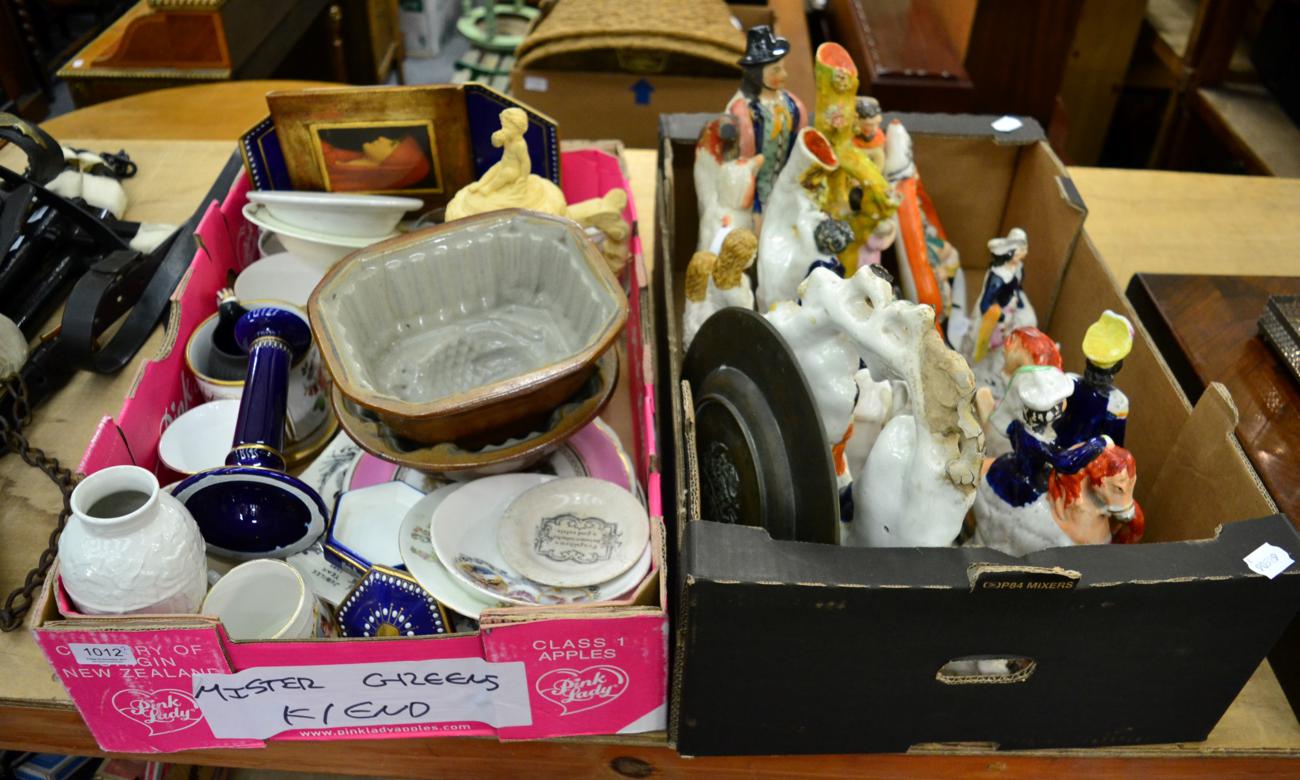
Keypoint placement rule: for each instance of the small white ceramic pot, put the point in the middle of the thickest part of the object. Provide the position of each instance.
(308, 408)
(264, 599)
(129, 547)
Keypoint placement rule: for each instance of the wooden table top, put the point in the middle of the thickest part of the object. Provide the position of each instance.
(179, 154)
(1207, 328)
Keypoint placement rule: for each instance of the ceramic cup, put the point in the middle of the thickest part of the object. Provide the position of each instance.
(200, 439)
(264, 599)
(308, 409)
(130, 547)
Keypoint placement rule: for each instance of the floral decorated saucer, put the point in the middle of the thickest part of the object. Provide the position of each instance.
(423, 563)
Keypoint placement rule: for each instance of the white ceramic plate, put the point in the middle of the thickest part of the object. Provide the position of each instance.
(201, 438)
(366, 523)
(464, 535)
(279, 277)
(422, 562)
(573, 532)
(335, 213)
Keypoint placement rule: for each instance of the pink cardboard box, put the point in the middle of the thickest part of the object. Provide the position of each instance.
(528, 673)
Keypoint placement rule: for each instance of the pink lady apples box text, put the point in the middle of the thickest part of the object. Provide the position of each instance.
(159, 684)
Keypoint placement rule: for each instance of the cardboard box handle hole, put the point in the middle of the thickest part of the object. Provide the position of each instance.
(986, 670)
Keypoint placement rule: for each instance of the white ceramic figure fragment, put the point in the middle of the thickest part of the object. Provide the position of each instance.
(874, 408)
(787, 244)
(919, 478)
(827, 358)
(724, 184)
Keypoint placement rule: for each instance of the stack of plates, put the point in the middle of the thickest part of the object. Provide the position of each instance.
(527, 539)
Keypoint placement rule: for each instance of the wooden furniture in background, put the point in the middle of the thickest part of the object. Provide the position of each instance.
(1213, 91)
(165, 43)
(909, 52)
(23, 88)
(913, 55)
(1094, 75)
(372, 40)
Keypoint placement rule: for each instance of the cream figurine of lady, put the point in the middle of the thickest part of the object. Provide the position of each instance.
(510, 182)
(606, 215)
(787, 244)
(715, 282)
(768, 117)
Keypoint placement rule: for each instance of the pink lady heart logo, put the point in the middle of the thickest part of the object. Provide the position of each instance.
(578, 691)
(162, 711)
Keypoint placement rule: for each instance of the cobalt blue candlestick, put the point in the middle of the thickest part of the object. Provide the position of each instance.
(275, 339)
(250, 508)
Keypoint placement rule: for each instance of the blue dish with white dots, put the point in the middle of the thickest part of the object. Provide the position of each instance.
(390, 603)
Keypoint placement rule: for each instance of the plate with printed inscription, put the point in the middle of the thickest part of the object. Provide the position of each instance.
(763, 459)
(464, 535)
(573, 532)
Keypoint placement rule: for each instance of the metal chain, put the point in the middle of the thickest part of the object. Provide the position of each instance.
(12, 439)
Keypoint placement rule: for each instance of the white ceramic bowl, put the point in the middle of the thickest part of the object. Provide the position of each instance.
(319, 248)
(201, 438)
(336, 213)
(282, 277)
(263, 599)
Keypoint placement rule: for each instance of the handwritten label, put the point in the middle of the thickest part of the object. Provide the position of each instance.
(1269, 560)
(536, 84)
(265, 701)
(102, 655)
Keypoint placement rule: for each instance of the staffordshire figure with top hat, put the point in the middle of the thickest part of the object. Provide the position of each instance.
(768, 117)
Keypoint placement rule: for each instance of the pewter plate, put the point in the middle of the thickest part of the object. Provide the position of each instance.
(763, 458)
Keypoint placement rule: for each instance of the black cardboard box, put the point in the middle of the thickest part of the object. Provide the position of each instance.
(788, 647)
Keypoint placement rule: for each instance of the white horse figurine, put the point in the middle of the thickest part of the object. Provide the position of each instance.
(786, 244)
(919, 478)
(724, 188)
